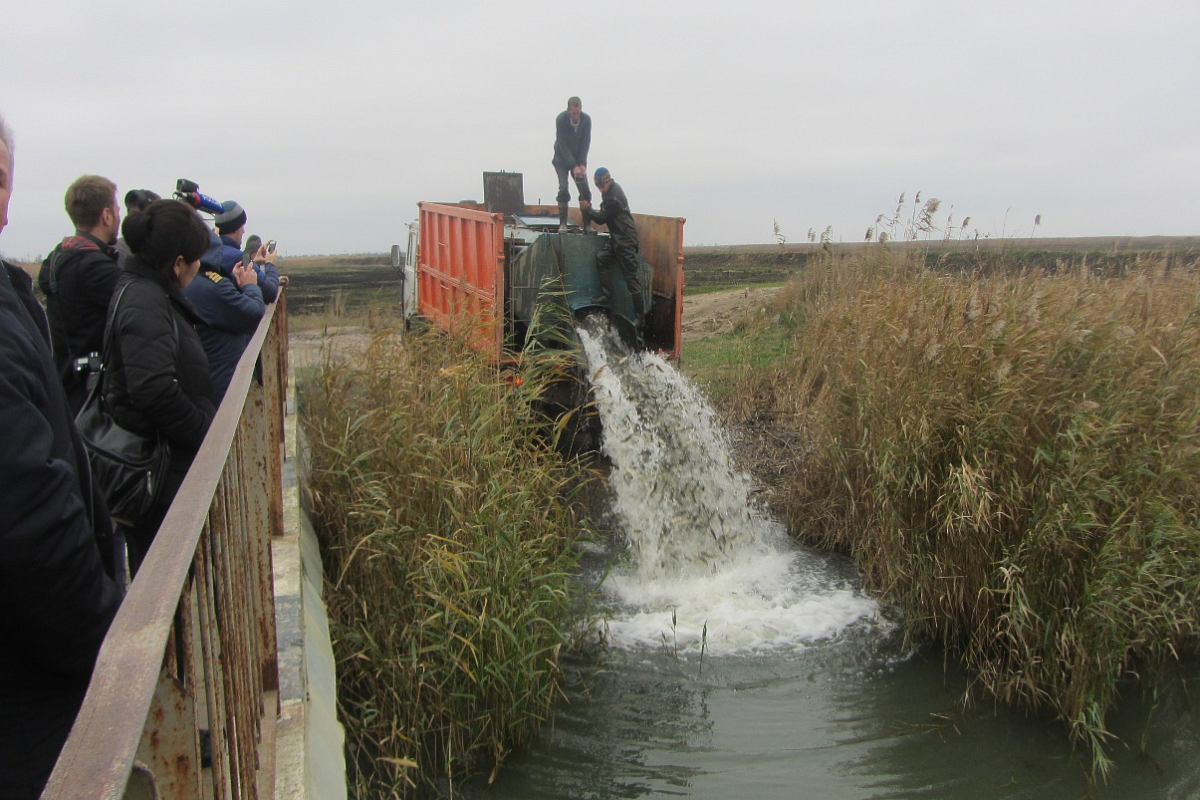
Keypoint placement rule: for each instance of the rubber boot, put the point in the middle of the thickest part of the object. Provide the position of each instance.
(587, 222)
(562, 217)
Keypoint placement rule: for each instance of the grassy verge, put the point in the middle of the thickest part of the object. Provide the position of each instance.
(723, 364)
(1013, 459)
(446, 529)
(709, 288)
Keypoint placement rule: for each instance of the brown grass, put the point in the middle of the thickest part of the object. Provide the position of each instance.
(1012, 459)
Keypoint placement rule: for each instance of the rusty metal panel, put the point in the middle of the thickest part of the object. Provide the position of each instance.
(660, 241)
(170, 747)
(460, 273)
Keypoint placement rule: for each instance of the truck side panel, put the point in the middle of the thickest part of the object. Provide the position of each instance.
(460, 272)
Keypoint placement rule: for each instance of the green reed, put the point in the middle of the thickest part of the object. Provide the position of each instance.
(446, 527)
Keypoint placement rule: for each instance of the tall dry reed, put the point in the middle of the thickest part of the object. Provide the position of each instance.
(446, 530)
(1012, 459)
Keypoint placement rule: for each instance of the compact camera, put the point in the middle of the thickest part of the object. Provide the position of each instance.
(89, 363)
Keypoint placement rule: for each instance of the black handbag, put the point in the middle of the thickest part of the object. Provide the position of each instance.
(129, 468)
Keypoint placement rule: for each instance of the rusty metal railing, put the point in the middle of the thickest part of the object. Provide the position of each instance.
(193, 644)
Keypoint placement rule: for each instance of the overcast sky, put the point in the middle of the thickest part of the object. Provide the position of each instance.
(329, 121)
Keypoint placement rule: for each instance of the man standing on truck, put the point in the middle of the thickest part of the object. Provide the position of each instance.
(573, 137)
(622, 245)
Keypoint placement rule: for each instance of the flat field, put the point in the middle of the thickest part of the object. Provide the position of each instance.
(729, 266)
(342, 287)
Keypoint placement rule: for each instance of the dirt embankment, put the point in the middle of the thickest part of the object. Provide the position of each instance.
(716, 313)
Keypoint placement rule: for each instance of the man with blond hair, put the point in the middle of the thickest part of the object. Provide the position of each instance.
(56, 600)
(78, 278)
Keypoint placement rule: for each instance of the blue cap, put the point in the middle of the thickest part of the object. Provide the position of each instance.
(600, 173)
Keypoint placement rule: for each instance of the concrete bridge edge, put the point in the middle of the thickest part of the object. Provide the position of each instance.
(310, 742)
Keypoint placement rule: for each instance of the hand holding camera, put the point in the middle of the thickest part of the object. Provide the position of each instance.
(266, 253)
(244, 275)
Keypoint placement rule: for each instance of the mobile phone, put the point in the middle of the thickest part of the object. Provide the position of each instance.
(271, 246)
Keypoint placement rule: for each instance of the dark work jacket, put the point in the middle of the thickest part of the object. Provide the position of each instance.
(614, 212)
(86, 271)
(157, 378)
(571, 146)
(56, 602)
(230, 315)
(230, 255)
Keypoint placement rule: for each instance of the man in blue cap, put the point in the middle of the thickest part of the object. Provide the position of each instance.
(231, 224)
(229, 296)
(622, 245)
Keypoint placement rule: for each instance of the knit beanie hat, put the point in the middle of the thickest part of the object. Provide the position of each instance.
(232, 218)
(600, 173)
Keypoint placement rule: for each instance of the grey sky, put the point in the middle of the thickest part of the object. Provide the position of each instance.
(329, 121)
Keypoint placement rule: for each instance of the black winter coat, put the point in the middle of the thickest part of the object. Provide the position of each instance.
(571, 145)
(56, 602)
(77, 278)
(614, 212)
(157, 378)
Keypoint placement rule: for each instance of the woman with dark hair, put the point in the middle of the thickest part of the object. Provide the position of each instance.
(157, 378)
(135, 200)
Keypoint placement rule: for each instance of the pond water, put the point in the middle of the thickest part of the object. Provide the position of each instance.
(740, 665)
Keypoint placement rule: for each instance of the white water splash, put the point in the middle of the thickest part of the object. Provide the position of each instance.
(709, 569)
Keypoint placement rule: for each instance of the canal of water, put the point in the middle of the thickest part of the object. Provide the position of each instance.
(740, 665)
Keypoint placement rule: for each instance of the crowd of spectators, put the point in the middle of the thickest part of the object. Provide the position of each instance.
(179, 302)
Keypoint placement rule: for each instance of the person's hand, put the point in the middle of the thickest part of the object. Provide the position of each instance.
(283, 280)
(579, 171)
(244, 276)
(585, 204)
(263, 257)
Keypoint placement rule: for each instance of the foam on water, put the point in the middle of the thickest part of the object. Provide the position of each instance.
(708, 567)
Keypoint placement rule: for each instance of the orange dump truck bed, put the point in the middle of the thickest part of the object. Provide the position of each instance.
(464, 274)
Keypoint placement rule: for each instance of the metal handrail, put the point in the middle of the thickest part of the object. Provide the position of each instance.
(193, 644)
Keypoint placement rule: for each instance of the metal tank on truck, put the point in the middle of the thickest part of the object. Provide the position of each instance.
(501, 262)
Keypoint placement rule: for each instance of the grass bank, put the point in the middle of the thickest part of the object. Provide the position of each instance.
(1012, 457)
(446, 527)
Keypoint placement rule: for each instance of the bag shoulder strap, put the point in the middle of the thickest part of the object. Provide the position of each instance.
(108, 329)
(55, 264)
(97, 390)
